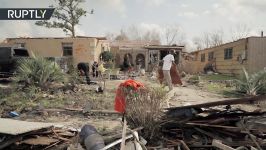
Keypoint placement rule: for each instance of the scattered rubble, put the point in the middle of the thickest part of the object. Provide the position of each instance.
(215, 124)
(15, 134)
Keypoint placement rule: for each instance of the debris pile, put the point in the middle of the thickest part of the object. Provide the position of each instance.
(215, 125)
(15, 134)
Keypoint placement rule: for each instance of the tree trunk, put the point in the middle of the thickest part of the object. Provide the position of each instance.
(73, 31)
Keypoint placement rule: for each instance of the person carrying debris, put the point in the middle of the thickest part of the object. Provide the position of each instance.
(84, 70)
(168, 60)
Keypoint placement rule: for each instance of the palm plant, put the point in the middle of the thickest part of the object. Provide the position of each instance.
(38, 71)
(252, 84)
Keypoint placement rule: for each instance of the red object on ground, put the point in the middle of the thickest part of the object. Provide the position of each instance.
(120, 101)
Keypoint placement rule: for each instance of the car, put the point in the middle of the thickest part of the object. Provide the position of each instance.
(9, 57)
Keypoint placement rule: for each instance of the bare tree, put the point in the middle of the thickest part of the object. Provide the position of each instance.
(152, 35)
(198, 43)
(110, 36)
(135, 32)
(240, 31)
(174, 35)
(66, 16)
(122, 36)
(206, 39)
(216, 38)
(170, 34)
(209, 39)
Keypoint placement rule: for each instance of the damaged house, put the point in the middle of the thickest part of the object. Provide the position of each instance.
(79, 49)
(143, 53)
(231, 57)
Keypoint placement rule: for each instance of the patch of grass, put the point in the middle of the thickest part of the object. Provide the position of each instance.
(217, 77)
(221, 89)
(194, 79)
(231, 94)
(17, 101)
(52, 103)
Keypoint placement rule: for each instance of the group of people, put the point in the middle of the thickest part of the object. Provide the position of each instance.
(97, 70)
(167, 70)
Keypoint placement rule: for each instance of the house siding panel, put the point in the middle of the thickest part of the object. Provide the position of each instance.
(256, 54)
(225, 66)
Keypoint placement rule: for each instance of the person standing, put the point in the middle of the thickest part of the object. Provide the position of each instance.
(168, 60)
(95, 69)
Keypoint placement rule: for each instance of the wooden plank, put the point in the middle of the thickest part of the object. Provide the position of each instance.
(40, 141)
(215, 126)
(16, 127)
(220, 145)
(5, 144)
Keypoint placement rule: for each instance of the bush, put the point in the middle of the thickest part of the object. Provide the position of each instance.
(73, 76)
(252, 84)
(39, 72)
(107, 56)
(144, 109)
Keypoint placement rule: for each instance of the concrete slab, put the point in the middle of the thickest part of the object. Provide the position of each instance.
(16, 127)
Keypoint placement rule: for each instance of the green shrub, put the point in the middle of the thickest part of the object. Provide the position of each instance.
(39, 72)
(106, 56)
(252, 84)
(73, 76)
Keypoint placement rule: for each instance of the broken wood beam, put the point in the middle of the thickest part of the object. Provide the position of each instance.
(247, 100)
(219, 144)
(108, 139)
(215, 126)
(8, 142)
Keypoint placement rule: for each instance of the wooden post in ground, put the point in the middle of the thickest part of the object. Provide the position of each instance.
(123, 143)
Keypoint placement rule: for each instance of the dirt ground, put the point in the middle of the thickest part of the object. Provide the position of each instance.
(179, 96)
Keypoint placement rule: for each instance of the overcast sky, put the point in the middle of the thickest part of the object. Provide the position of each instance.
(193, 16)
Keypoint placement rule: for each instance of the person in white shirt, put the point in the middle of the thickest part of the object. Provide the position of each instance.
(168, 60)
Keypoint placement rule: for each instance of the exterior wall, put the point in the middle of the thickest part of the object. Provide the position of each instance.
(133, 47)
(84, 49)
(256, 54)
(134, 52)
(229, 66)
(115, 51)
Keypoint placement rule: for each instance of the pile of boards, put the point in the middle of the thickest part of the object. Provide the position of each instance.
(216, 125)
(15, 134)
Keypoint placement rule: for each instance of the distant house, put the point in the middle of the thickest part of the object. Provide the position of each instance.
(81, 49)
(231, 57)
(158, 52)
(134, 50)
(143, 54)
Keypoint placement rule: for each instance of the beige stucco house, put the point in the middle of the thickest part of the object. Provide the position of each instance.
(81, 49)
